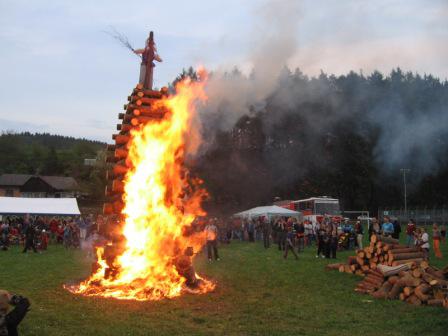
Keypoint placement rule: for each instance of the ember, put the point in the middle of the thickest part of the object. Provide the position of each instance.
(152, 242)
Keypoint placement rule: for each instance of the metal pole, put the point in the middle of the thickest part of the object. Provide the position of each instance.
(404, 171)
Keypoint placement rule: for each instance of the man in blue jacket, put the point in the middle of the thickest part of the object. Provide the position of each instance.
(387, 227)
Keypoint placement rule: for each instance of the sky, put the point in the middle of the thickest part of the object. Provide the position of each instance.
(61, 73)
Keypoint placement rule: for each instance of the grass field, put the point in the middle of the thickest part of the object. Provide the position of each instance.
(258, 293)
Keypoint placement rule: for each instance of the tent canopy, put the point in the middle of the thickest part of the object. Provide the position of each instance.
(39, 206)
(268, 211)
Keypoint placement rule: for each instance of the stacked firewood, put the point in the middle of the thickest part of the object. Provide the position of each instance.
(393, 271)
(141, 109)
(417, 284)
(382, 250)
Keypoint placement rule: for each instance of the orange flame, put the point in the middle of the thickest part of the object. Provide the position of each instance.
(161, 204)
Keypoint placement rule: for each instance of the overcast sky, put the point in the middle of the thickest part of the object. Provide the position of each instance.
(60, 73)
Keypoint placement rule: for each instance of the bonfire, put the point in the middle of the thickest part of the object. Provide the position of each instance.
(150, 248)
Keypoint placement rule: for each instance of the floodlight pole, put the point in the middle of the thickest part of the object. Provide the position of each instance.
(404, 171)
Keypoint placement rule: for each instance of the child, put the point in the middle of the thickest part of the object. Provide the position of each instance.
(436, 240)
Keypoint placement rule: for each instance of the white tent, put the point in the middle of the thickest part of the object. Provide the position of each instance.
(268, 211)
(39, 206)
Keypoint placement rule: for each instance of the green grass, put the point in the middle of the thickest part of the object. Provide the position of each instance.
(258, 293)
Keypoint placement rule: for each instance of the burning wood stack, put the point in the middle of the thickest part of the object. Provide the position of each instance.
(394, 271)
(141, 109)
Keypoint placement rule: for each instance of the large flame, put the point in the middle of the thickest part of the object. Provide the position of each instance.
(161, 203)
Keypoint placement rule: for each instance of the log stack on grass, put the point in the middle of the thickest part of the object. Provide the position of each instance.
(394, 271)
(381, 251)
(416, 284)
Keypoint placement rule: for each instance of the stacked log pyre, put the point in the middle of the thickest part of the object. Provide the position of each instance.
(140, 110)
(394, 271)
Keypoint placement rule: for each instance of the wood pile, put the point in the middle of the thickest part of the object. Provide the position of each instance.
(417, 284)
(381, 250)
(143, 108)
(393, 271)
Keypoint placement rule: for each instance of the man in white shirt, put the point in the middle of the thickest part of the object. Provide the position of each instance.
(424, 243)
(211, 233)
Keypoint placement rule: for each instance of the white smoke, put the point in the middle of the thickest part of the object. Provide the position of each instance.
(273, 43)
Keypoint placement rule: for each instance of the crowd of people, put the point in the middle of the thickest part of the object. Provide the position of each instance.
(328, 236)
(289, 234)
(36, 232)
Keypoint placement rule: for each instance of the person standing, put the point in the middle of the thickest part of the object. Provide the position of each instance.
(374, 228)
(266, 227)
(30, 235)
(300, 231)
(44, 238)
(211, 233)
(67, 235)
(327, 240)
(442, 233)
(387, 227)
(359, 234)
(251, 230)
(333, 242)
(397, 230)
(4, 235)
(320, 238)
(423, 242)
(281, 234)
(289, 243)
(436, 240)
(308, 233)
(82, 226)
(410, 233)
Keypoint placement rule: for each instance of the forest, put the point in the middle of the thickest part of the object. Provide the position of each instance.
(54, 155)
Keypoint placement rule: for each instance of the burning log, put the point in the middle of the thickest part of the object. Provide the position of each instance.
(154, 113)
(121, 139)
(149, 93)
(121, 153)
(117, 186)
(141, 120)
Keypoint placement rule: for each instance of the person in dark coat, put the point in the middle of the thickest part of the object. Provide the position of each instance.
(29, 238)
(266, 227)
(289, 243)
(397, 230)
(333, 243)
(281, 234)
(10, 320)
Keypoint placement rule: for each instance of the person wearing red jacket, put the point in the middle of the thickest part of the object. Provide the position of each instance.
(410, 233)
